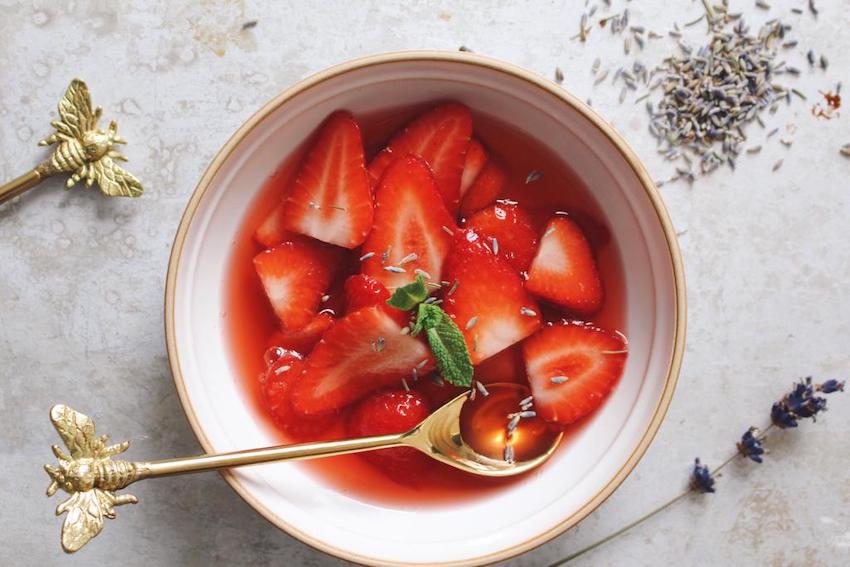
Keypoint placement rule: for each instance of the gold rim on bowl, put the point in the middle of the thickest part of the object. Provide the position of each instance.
(538, 81)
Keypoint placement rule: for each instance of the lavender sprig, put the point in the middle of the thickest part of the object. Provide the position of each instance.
(800, 403)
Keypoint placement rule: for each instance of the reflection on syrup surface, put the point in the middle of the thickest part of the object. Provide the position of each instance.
(484, 425)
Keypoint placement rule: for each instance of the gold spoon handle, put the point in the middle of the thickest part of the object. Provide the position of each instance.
(270, 454)
(92, 478)
(19, 185)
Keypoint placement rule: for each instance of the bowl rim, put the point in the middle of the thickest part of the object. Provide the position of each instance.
(434, 55)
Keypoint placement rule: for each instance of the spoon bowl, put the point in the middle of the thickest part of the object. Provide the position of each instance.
(440, 437)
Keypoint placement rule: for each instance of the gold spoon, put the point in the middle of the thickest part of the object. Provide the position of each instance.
(91, 477)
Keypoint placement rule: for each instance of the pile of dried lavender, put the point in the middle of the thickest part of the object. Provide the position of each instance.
(709, 94)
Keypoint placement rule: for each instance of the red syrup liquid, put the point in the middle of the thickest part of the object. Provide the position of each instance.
(249, 320)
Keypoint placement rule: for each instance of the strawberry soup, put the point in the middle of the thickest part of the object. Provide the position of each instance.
(399, 260)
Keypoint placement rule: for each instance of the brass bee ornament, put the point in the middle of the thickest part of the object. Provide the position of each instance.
(82, 149)
(89, 475)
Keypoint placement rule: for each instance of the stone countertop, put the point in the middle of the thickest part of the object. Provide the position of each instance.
(81, 277)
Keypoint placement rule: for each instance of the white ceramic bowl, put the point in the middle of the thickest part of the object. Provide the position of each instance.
(524, 514)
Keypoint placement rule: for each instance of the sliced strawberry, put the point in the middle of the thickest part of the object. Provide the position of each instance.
(411, 225)
(476, 157)
(489, 303)
(271, 231)
(379, 164)
(365, 291)
(392, 411)
(441, 137)
(509, 230)
(488, 186)
(276, 385)
(364, 351)
(572, 367)
(331, 197)
(506, 366)
(564, 271)
(295, 275)
(303, 340)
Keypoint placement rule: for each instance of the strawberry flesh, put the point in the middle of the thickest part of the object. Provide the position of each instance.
(271, 231)
(295, 275)
(505, 366)
(411, 223)
(489, 304)
(392, 411)
(589, 358)
(331, 197)
(379, 164)
(488, 187)
(441, 137)
(509, 228)
(437, 390)
(276, 385)
(364, 351)
(563, 270)
(364, 291)
(476, 157)
(303, 340)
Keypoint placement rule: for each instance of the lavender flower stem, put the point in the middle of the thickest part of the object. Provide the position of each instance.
(651, 513)
(622, 530)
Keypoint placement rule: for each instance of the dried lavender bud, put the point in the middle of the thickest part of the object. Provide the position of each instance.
(750, 445)
(701, 479)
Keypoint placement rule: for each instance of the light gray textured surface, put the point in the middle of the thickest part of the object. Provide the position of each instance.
(81, 277)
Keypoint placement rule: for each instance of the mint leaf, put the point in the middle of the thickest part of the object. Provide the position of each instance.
(446, 343)
(409, 296)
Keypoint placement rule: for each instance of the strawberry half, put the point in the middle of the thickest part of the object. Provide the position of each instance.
(572, 368)
(489, 303)
(392, 411)
(441, 137)
(564, 270)
(295, 275)
(276, 385)
(331, 198)
(379, 164)
(476, 157)
(364, 351)
(509, 231)
(488, 186)
(304, 339)
(411, 223)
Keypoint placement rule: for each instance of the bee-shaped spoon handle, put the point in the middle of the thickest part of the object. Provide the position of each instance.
(82, 149)
(91, 477)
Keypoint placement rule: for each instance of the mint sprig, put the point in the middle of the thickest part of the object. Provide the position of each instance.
(446, 342)
(409, 296)
(444, 337)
